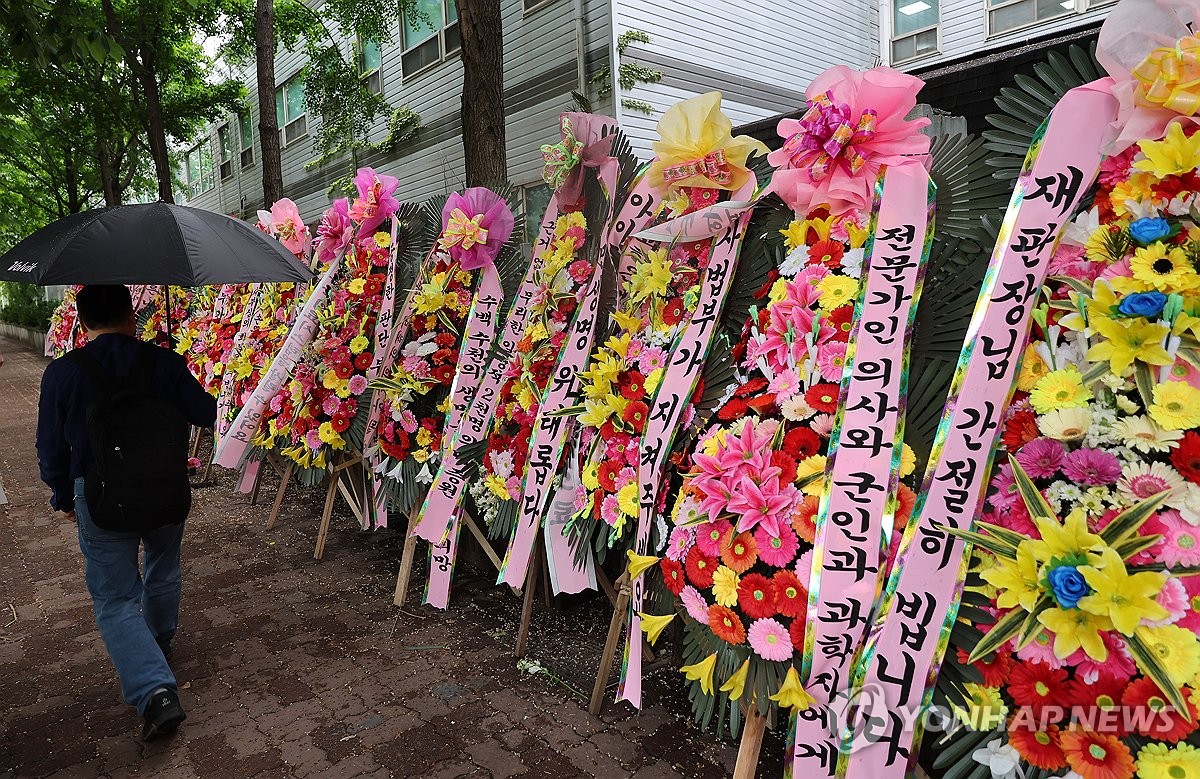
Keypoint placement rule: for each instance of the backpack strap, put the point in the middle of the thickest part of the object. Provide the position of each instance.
(94, 370)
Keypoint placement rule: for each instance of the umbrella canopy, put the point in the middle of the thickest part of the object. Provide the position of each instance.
(152, 243)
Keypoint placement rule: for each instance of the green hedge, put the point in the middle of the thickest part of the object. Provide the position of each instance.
(25, 305)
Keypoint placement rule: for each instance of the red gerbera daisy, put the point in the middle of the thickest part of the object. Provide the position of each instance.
(801, 443)
(340, 422)
(634, 415)
(749, 388)
(828, 253)
(995, 671)
(738, 551)
(841, 319)
(1039, 748)
(363, 361)
(700, 568)
(905, 500)
(608, 474)
(786, 465)
(672, 312)
(756, 596)
(734, 408)
(804, 520)
(791, 599)
(673, 576)
(763, 404)
(1020, 429)
(344, 370)
(1097, 755)
(1094, 699)
(796, 632)
(1152, 715)
(823, 397)
(444, 374)
(632, 384)
(1186, 457)
(726, 625)
(1037, 685)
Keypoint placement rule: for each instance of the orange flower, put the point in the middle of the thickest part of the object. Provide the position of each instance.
(739, 552)
(1039, 748)
(804, 520)
(1097, 755)
(726, 625)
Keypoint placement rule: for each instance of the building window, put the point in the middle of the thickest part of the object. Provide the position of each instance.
(537, 200)
(914, 29)
(1008, 15)
(369, 60)
(246, 130)
(199, 169)
(429, 34)
(534, 5)
(289, 110)
(225, 144)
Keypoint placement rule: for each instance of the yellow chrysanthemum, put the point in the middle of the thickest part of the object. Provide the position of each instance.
(1176, 649)
(1164, 269)
(383, 240)
(778, 292)
(1159, 761)
(1097, 246)
(1133, 190)
(326, 433)
(908, 461)
(627, 499)
(1059, 389)
(358, 344)
(591, 476)
(1175, 153)
(1127, 340)
(496, 486)
(357, 286)
(836, 291)
(1176, 406)
(725, 586)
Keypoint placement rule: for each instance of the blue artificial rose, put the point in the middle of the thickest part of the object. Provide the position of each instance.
(1068, 585)
(1148, 230)
(1147, 304)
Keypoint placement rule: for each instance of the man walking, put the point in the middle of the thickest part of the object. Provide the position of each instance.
(112, 421)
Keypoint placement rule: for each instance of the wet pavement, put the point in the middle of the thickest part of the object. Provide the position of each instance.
(293, 667)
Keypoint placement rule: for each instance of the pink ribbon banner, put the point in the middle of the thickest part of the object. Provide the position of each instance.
(225, 399)
(672, 398)
(863, 469)
(898, 667)
(233, 446)
(437, 516)
(477, 343)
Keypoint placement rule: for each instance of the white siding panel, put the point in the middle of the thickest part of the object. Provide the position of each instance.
(964, 32)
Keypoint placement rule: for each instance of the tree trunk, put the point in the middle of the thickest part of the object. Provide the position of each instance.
(268, 123)
(483, 92)
(157, 133)
(108, 174)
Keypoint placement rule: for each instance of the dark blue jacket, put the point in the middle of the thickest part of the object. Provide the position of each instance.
(64, 451)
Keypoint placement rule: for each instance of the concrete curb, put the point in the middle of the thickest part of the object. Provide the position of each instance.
(34, 338)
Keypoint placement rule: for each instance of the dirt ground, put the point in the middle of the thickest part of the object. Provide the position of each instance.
(293, 667)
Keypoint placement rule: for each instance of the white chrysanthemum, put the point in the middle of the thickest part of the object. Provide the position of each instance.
(1066, 424)
(1142, 434)
(852, 263)
(795, 262)
(1078, 232)
(796, 408)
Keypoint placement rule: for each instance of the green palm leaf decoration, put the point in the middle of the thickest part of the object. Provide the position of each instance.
(1024, 107)
(967, 191)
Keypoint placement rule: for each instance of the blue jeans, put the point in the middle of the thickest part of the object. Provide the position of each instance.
(136, 611)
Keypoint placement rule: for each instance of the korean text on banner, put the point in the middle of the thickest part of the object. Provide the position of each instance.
(899, 664)
(862, 472)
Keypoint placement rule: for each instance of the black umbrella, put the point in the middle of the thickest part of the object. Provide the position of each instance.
(152, 243)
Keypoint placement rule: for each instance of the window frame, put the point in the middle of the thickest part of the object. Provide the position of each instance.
(989, 8)
(196, 187)
(439, 35)
(284, 122)
(245, 144)
(529, 7)
(365, 76)
(227, 129)
(936, 27)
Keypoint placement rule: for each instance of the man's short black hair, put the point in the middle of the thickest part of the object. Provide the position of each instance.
(102, 306)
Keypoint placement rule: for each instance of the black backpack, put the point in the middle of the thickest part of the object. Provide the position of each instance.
(138, 479)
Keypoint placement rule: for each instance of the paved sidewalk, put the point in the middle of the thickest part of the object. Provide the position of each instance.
(292, 667)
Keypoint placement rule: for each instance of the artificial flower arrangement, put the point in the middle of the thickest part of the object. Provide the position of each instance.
(65, 333)
(475, 226)
(739, 556)
(206, 338)
(561, 274)
(698, 163)
(164, 327)
(1084, 577)
(310, 420)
